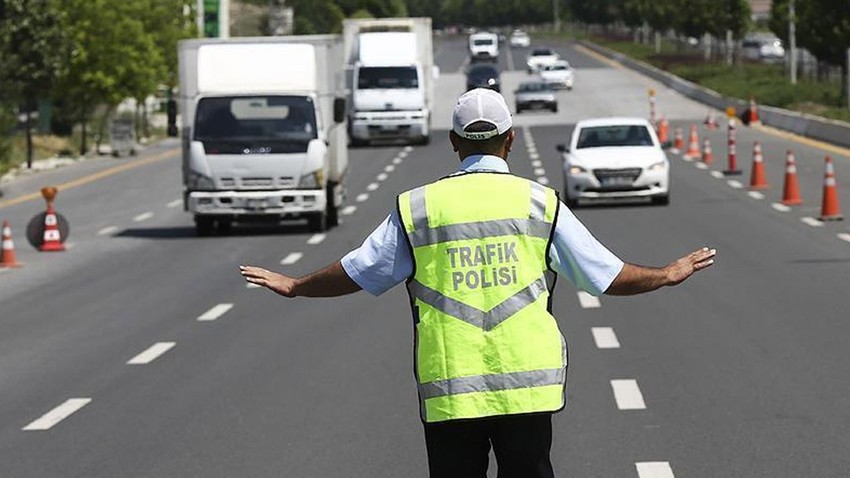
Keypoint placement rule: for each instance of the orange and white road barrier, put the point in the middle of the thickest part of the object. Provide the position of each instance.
(753, 113)
(707, 155)
(830, 210)
(758, 178)
(663, 130)
(732, 170)
(791, 189)
(710, 120)
(693, 144)
(7, 254)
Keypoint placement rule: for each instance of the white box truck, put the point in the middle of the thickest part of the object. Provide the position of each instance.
(390, 72)
(263, 126)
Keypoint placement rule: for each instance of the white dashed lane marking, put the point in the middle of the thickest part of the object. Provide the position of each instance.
(107, 231)
(780, 207)
(389, 168)
(143, 217)
(716, 174)
(537, 163)
(701, 165)
(734, 184)
(540, 171)
(543, 180)
(348, 210)
(397, 161)
(175, 203)
(627, 395)
(654, 469)
(811, 221)
(382, 177)
(605, 338)
(844, 236)
(292, 258)
(152, 353)
(51, 418)
(372, 186)
(755, 195)
(588, 301)
(316, 239)
(362, 197)
(215, 312)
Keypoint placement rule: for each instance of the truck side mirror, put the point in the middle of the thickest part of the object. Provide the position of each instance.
(562, 148)
(171, 110)
(339, 110)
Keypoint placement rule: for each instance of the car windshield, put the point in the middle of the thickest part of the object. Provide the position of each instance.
(560, 67)
(541, 52)
(615, 135)
(387, 77)
(256, 118)
(483, 71)
(534, 87)
(482, 42)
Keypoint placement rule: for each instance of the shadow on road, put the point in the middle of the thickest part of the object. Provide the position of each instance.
(237, 230)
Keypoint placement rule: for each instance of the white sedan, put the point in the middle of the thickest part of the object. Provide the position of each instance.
(520, 39)
(540, 57)
(610, 158)
(558, 75)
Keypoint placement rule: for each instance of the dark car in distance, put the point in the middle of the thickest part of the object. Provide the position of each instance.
(483, 76)
(532, 95)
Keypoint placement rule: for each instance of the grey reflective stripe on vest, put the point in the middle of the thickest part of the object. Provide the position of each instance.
(491, 383)
(483, 320)
(418, 209)
(538, 202)
(477, 230)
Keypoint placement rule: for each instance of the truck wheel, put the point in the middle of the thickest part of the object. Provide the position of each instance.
(425, 140)
(318, 222)
(204, 225)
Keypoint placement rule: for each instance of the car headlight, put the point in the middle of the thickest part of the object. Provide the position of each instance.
(576, 170)
(198, 182)
(658, 166)
(314, 180)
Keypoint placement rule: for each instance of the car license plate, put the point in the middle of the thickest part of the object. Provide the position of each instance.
(615, 181)
(257, 203)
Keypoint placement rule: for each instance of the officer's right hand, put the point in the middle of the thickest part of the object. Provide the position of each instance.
(278, 283)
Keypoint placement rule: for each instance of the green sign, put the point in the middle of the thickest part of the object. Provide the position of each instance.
(211, 27)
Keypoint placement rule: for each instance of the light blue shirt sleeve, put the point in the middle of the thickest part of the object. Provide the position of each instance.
(578, 256)
(384, 261)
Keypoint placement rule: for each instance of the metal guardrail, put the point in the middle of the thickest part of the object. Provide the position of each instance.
(816, 127)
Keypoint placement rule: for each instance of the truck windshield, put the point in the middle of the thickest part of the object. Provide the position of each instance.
(375, 77)
(270, 123)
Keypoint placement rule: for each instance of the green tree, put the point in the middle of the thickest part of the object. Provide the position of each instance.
(31, 45)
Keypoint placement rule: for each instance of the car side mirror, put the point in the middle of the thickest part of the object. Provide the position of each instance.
(339, 110)
(562, 148)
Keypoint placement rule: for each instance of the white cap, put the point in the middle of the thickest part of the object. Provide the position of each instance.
(481, 105)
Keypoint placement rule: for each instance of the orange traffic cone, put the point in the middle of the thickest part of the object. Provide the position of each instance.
(753, 113)
(758, 179)
(7, 255)
(791, 189)
(663, 130)
(710, 121)
(52, 237)
(693, 144)
(707, 155)
(678, 142)
(830, 211)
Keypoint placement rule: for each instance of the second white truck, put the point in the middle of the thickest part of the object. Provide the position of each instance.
(390, 72)
(263, 126)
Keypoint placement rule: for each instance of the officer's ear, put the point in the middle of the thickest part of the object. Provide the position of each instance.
(509, 141)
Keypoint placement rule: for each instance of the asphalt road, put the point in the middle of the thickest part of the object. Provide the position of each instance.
(738, 372)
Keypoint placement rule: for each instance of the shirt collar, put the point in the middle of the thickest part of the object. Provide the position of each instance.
(484, 162)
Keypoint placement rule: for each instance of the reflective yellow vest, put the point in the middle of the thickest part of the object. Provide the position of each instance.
(486, 342)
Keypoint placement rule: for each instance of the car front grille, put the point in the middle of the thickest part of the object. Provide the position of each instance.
(617, 177)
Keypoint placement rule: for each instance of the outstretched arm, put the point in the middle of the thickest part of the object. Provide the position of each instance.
(634, 279)
(332, 281)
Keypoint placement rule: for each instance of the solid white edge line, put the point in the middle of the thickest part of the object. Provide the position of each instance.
(654, 469)
(51, 418)
(605, 338)
(107, 230)
(215, 312)
(587, 300)
(143, 217)
(291, 258)
(348, 210)
(316, 239)
(151, 353)
(627, 394)
(780, 207)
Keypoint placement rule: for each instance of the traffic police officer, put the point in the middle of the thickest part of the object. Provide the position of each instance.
(479, 250)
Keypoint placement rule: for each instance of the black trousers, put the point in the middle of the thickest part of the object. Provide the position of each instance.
(461, 448)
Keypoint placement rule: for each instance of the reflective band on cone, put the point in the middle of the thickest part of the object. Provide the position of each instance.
(52, 238)
(707, 155)
(791, 189)
(693, 144)
(758, 178)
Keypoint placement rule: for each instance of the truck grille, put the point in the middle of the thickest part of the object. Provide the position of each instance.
(257, 182)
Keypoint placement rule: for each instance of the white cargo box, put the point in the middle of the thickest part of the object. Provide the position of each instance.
(387, 48)
(241, 68)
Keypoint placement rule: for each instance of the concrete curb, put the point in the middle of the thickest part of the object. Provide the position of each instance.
(815, 127)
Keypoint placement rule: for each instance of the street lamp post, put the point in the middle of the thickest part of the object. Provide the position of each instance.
(792, 40)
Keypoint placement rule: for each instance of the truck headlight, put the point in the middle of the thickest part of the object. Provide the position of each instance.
(199, 182)
(314, 180)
